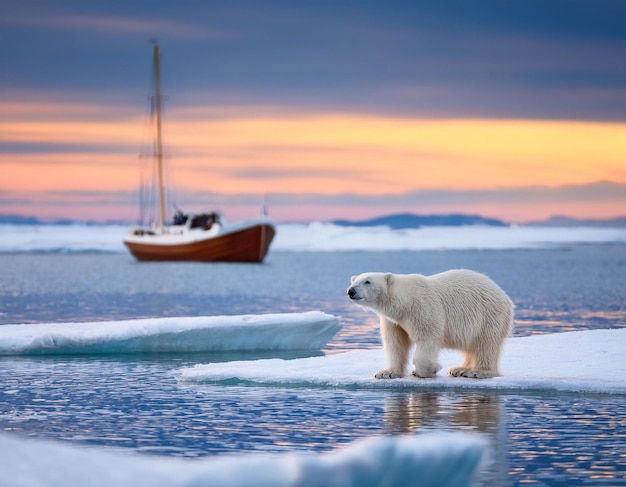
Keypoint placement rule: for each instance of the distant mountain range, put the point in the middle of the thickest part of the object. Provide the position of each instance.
(19, 220)
(396, 221)
(409, 220)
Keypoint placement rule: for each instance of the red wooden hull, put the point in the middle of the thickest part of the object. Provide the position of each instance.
(250, 244)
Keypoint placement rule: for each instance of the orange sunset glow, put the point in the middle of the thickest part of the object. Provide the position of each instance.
(326, 154)
(321, 110)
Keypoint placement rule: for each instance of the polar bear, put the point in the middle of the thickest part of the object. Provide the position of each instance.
(459, 309)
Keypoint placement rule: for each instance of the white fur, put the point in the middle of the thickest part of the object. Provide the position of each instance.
(459, 309)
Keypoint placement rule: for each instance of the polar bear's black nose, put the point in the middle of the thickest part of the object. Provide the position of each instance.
(351, 292)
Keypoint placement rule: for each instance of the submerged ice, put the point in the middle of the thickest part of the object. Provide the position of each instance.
(445, 460)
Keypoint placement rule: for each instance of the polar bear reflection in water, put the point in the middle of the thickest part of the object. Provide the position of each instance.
(458, 309)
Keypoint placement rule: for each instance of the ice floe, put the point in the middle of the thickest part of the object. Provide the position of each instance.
(320, 237)
(586, 361)
(329, 237)
(445, 460)
(281, 331)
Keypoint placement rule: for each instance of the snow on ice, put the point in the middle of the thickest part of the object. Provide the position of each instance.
(281, 331)
(585, 361)
(329, 237)
(320, 237)
(445, 460)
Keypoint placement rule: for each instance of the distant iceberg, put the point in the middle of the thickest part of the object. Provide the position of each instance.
(444, 460)
(582, 361)
(317, 236)
(323, 237)
(284, 331)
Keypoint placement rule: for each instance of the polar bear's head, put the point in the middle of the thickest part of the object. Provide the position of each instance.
(369, 288)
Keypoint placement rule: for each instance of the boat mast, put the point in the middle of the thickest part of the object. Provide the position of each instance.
(159, 147)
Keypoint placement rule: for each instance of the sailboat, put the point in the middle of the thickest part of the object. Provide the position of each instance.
(195, 236)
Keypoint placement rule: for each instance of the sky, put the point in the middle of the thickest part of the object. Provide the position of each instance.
(319, 109)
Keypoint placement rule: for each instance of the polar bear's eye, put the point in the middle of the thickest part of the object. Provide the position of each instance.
(367, 282)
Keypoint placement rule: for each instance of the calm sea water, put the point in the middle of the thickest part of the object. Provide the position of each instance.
(135, 402)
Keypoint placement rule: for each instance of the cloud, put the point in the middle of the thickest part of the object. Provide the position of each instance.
(108, 24)
(548, 60)
(602, 191)
(266, 173)
(276, 152)
(67, 199)
(595, 200)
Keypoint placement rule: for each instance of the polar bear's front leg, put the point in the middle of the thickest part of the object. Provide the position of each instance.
(396, 344)
(425, 359)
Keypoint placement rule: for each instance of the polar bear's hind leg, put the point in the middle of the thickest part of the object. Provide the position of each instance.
(480, 363)
(462, 370)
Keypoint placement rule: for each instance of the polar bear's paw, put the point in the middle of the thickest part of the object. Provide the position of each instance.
(388, 374)
(426, 371)
(472, 373)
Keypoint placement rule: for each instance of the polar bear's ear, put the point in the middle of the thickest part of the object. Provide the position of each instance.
(389, 278)
(352, 279)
